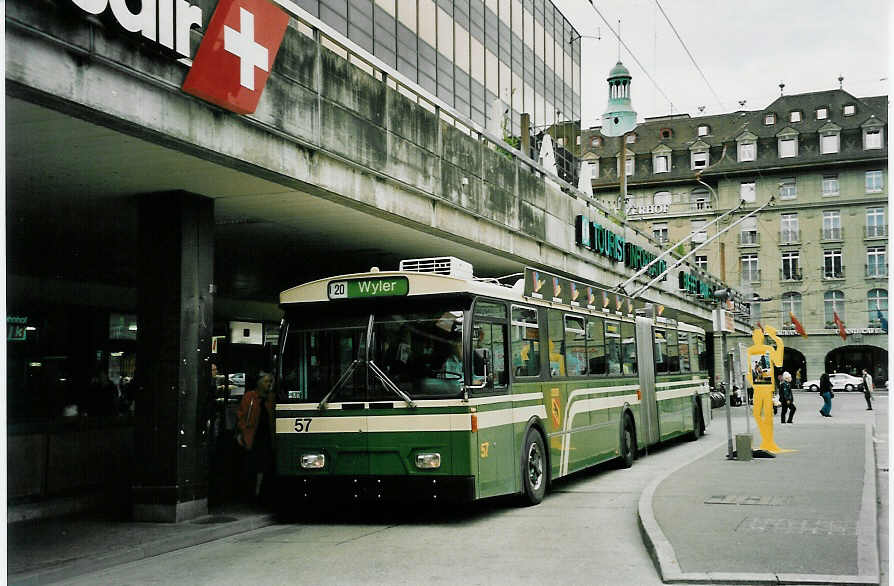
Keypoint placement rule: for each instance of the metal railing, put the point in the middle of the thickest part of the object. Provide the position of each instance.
(875, 231)
(876, 270)
(832, 233)
(836, 273)
(791, 274)
(789, 236)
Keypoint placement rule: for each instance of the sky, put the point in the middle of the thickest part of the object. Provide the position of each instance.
(744, 48)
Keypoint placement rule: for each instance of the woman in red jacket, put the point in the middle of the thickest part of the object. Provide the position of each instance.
(256, 424)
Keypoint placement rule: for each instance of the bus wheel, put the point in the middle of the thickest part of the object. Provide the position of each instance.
(697, 430)
(628, 443)
(533, 468)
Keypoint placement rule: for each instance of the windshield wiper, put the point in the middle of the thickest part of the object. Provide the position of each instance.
(339, 384)
(389, 384)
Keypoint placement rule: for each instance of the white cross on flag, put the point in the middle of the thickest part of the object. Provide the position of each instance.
(236, 56)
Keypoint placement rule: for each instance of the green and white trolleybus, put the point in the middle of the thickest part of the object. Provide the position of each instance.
(427, 383)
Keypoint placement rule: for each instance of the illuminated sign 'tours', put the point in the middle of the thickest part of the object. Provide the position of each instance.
(616, 248)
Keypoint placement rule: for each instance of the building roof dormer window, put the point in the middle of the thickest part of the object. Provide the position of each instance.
(822, 113)
(661, 159)
(795, 116)
(704, 130)
(830, 138)
(873, 133)
(849, 110)
(699, 154)
(787, 142)
(769, 119)
(666, 133)
(746, 147)
(631, 138)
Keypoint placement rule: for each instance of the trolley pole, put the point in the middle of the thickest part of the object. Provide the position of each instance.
(729, 422)
(720, 324)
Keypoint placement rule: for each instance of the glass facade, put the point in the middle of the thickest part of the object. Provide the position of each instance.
(472, 54)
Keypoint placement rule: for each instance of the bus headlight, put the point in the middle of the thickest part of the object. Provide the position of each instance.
(428, 461)
(313, 461)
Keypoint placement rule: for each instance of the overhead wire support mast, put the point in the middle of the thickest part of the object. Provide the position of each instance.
(680, 261)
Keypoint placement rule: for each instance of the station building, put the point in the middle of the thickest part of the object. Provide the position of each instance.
(818, 251)
(156, 210)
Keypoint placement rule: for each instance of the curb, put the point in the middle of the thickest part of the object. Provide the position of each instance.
(95, 563)
(665, 559)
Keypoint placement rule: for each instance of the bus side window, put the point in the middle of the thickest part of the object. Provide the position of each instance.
(628, 347)
(489, 347)
(596, 346)
(525, 342)
(702, 354)
(693, 352)
(575, 346)
(613, 346)
(673, 352)
(556, 343)
(660, 351)
(684, 353)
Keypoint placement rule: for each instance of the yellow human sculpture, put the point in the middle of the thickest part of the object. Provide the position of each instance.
(761, 359)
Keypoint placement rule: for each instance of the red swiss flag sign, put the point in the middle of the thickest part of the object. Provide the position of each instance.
(236, 56)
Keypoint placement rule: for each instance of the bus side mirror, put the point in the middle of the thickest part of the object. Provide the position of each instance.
(480, 361)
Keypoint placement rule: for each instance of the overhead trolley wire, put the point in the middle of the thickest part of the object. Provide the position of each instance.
(620, 40)
(679, 38)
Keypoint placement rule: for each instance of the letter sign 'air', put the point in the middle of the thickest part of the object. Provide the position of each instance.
(235, 58)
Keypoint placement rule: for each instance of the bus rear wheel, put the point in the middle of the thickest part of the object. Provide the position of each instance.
(533, 468)
(628, 443)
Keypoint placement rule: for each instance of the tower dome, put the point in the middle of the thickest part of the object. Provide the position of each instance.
(619, 117)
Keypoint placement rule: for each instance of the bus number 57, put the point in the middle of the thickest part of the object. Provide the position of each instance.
(302, 424)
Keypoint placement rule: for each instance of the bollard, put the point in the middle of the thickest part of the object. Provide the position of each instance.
(743, 446)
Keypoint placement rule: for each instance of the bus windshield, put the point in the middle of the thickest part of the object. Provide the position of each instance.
(417, 347)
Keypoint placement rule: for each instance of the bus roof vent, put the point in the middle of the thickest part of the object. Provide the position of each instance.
(440, 265)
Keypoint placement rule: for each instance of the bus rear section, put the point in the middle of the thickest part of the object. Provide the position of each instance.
(370, 402)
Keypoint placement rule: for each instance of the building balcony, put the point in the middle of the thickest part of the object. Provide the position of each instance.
(789, 237)
(832, 234)
(876, 271)
(752, 276)
(872, 232)
(791, 275)
(699, 206)
(749, 239)
(833, 274)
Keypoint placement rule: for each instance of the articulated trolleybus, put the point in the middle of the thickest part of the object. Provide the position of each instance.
(427, 383)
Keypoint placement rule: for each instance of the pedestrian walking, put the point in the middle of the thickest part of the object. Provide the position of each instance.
(255, 433)
(827, 394)
(787, 398)
(868, 387)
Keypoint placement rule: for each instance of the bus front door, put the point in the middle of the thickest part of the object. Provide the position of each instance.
(646, 368)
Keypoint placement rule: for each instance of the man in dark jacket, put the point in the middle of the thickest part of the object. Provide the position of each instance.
(787, 398)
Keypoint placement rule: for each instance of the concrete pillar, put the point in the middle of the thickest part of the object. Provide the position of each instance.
(175, 314)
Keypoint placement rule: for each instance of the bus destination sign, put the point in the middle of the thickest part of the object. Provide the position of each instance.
(368, 288)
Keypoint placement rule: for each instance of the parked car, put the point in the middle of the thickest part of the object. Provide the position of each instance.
(237, 379)
(840, 382)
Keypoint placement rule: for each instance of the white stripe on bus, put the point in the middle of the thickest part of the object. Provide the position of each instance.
(588, 405)
(566, 422)
(675, 393)
(379, 423)
(421, 403)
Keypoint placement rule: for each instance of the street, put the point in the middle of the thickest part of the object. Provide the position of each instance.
(585, 532)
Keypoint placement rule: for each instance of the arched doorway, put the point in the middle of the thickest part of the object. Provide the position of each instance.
(794, 363)
(853, 359)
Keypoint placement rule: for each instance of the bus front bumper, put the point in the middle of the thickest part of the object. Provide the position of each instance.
(432, 489)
